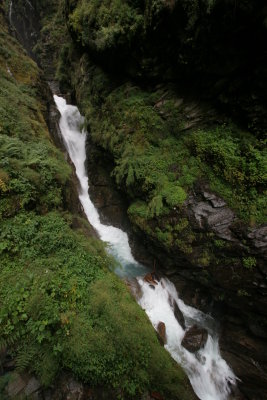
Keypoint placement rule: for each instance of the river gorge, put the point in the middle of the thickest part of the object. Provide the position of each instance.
(167, 167)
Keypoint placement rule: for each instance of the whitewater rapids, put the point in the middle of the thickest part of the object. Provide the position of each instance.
(209, 374)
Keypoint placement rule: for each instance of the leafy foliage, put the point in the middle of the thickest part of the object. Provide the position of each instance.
(64, 309)
(159, 161)
(104, 24)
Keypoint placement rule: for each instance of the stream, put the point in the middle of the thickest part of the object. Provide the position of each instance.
(210, 376)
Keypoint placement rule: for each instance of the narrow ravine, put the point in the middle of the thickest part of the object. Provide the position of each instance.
(210, 376)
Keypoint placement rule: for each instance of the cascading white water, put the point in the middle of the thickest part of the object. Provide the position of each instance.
(74, 138)
(210, 376)
(10, 12)
(30, 4)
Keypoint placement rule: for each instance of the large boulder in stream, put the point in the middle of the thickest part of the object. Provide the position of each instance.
(161, 331)
(195, 339)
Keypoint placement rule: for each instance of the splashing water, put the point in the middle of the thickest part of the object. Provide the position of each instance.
(74, 139)
(210, 376)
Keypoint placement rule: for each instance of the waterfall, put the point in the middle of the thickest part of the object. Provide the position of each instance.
(210, 376)
(10, 12)
(117, 240)
(30, 4)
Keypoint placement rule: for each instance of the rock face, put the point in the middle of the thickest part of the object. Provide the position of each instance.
(213, 213)
(25, 386)
(195, 339)
(109, 202)
(247, 356)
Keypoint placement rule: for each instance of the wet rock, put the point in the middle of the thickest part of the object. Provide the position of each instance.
(178, 314)
(161, 330)
(218, 220)
(216, 201)
(195, 339)
(149, 278)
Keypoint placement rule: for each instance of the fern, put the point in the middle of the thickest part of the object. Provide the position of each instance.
(155, 206)
(130, 176)
(25, 358)
(11, 340)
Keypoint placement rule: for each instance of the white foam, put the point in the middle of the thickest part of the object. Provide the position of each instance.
(75, 139)
(209, 374)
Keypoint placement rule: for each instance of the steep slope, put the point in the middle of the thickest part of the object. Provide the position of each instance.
(61, 309)
(152, 79)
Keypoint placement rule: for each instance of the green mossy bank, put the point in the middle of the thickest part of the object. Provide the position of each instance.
(60, 306)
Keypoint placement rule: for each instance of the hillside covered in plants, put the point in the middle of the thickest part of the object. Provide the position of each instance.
(56, 287)
(174, 98)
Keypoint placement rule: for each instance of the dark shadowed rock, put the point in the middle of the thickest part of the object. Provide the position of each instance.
(161, 330)
(178, 314)
(156, 396)
(195, 339)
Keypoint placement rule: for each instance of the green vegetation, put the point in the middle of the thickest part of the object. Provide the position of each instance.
(158, 160)
(60, 306)
(104, 24)
(249, 262)
(205, 44)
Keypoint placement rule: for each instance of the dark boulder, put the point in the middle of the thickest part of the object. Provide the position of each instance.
(178, 314)
(195, 339)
